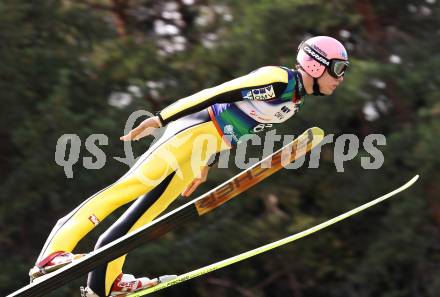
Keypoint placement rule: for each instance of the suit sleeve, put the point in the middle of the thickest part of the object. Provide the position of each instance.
(228, 92)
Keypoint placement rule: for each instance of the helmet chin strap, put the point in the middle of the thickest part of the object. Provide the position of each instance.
(316, 90)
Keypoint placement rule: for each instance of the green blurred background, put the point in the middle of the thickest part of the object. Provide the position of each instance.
(83, 66)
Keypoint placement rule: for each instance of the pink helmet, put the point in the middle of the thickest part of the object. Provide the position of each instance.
(321, 52)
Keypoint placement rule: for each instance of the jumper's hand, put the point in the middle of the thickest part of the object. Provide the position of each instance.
(196, 182)
(145, 128)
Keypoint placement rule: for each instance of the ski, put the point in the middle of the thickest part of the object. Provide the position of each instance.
(273, 245)
(170, 221)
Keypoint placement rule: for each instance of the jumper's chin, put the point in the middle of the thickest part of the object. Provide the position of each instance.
(327, 92)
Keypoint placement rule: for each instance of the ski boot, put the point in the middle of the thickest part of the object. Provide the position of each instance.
(126, 284)
(51, 263)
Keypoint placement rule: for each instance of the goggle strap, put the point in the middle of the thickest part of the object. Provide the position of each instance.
(318, 57)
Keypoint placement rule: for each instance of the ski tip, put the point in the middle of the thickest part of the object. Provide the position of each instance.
(415, 178)
(315, 134)
(410, 182)
(317, 131)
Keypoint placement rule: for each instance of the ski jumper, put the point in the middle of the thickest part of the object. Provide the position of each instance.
(246, 105)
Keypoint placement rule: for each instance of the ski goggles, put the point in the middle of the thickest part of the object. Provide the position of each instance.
(338, 67)
(335, 67)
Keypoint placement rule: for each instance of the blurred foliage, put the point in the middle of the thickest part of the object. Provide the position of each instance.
(82, 67)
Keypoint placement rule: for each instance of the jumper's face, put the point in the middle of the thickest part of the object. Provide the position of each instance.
(328, 83)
